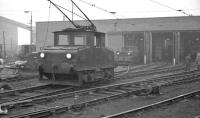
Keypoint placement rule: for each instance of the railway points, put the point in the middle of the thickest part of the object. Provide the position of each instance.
(121, 92)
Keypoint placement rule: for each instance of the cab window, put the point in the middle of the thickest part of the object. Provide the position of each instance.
(79, 40)
(63, 40)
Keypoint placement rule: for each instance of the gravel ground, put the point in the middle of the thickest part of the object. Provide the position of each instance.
(110, 107)
(188, 108)
(131, 102)
(25, 83)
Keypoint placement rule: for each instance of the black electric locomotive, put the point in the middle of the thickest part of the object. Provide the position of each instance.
(78, 56)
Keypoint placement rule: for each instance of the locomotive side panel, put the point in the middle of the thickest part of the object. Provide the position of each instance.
(84, 59)
(95, 58)
(95, 64)
(104, 58)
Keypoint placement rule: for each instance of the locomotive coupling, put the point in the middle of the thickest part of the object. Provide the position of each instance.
(63, 68)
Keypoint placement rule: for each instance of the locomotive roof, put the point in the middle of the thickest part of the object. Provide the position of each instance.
(76, 30)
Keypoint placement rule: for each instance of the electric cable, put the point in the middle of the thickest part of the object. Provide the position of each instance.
(47, 30)
(70, 11)
(178, 10)
(93, 5)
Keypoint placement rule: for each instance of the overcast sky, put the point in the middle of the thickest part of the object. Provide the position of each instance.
(94, 9)
(14, 9)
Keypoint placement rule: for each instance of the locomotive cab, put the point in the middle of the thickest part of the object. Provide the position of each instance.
(78, 37)
(78, 56)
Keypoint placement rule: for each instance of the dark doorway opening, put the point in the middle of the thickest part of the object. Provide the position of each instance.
(162, 47)
(134, 41)
(190, 44)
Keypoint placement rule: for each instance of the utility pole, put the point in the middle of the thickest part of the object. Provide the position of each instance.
(31, 28)
(11, 45)
(31, 42)
(4, 46)
(72, 11)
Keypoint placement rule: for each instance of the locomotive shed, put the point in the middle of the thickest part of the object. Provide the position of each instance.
(107, 68)
(168, 39)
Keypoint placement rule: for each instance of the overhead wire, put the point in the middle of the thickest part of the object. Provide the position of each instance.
(154, 11)
(164, 5)
(70, 11)
(107, 11)
(93, 5)
(102, 9)
(47, 30)
(114, 13)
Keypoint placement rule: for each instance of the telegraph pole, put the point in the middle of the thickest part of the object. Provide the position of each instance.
(31, 42)
(31, 28)
(4, 46)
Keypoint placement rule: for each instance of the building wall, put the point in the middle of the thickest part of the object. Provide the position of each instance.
(116, 28)
(10, 35)
(10, 29)
(115, 41)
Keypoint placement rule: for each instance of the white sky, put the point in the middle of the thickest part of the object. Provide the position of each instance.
(23, 36)
(14, 9)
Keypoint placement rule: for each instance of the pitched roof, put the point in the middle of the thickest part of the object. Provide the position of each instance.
(18, 24)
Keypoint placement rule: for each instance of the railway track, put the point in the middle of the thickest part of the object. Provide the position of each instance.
(35, 76)
(129, 113)
(118, 75)
(84, 98)
(39, 90)
(22, 94)
(138, 71)
(150, 72)
(142, 67)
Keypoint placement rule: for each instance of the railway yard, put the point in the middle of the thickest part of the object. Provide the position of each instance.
(153, 90)
(124, 67)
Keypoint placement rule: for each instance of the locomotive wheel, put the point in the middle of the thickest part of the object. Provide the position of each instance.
(41, 73)
(112, 73)
(91, 76)
(80, 79)
(109, 73)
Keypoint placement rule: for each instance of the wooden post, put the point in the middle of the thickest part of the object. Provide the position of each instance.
(4, 46)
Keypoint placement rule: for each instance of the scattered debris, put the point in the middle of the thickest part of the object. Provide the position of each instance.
(1, 61)
(155, 90)
(5, 86)
(7, 73)
(17, 64)
(197, 96)
(11, 70)
(3, 110)
(143, 92)
(197, 116)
